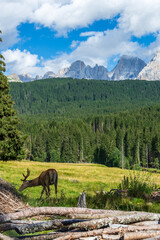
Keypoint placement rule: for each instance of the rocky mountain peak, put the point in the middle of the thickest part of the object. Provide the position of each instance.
(152, 70)
(49, 74)
(128, 67)
(77, 66)
(13, 78)
(62, 72)
(25, 77)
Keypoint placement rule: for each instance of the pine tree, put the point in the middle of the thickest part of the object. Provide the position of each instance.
(11, 140)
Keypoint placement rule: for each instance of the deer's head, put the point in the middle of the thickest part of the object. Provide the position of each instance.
(25, 183)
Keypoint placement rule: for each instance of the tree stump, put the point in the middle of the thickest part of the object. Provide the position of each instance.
(82, 200)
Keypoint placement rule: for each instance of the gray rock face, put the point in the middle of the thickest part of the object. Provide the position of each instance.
(76, 70)
(13, 78)
(79, 70)
(38, 77)
(127, 68)
(62, 72)
(49, 74)
(25, 77)
(100, 73)
(151, 71)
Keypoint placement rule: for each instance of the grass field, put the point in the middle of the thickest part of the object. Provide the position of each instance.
(73, 179)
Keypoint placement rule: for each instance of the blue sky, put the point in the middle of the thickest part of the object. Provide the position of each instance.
(47, 35)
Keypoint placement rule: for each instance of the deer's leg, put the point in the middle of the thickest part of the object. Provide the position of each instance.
(44, 189)
(42, 192)
(48, 191)
(56, 192)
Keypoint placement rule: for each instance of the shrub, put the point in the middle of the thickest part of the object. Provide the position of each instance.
(138, 184)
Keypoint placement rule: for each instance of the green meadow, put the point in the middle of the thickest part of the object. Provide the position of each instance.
(73, 180)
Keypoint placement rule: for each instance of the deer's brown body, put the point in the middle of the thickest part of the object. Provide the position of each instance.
(45, 179)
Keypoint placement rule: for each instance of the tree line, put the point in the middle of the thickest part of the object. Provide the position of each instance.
(124, 139)
(82, 98)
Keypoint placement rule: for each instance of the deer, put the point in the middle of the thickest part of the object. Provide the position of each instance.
(45, 179)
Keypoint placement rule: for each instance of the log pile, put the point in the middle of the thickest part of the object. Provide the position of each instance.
(9, 198)
(80, 223)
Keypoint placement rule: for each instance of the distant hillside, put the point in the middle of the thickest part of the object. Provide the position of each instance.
(69, 97)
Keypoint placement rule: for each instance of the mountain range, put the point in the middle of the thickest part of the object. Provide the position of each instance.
(128, 67)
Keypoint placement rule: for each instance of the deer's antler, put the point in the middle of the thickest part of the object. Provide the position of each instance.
(25, 177)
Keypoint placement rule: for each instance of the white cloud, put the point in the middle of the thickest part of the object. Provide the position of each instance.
(58, 63)
(100, 47)
(75, 14)
(21, 61)
(138, 17)
(97, 49)
(103, 45)
(135, 18)
(12, 14)
(88, 34)
(74, 44)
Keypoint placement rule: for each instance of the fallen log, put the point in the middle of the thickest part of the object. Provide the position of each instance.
(61, 225)
(109, 213)
(129, 236)
(61, 211)
(126, 219)
(146, 223)
(25, 227)
(4, 237)
(100, 232)
(154, 238)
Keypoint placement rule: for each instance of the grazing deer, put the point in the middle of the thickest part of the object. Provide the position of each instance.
(46, 178)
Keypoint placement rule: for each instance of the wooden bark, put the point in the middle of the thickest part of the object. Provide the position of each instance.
(129, 236)
(114, 225)
(82, 200)
(4, 237)
(127, 219)
(62, 211)
(25, 227)
(146, 223)
(109, 213)
(100, 232)
(58, 224)
(154, 238)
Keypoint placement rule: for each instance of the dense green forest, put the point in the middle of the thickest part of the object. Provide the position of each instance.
(125, 139)
(68, 120)
(82, 98)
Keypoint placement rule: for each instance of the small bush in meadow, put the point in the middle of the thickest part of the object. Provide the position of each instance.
(138, 184)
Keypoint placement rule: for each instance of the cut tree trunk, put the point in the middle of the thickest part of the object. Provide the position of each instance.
(127, 219)
(82, 200)
(4, 237)
(61, 211)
